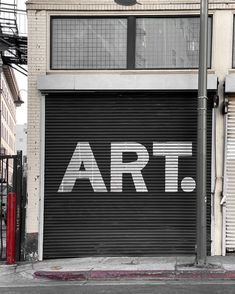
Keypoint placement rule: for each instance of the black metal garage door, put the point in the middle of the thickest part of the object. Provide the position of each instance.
(120, 174)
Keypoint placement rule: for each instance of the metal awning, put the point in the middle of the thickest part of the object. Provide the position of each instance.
(230, 83)
(121, 82)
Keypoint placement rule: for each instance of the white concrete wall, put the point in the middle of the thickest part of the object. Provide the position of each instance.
(158, 5)
(222, 62)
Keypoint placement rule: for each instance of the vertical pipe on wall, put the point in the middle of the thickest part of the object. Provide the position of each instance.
(201, 247)
(42, 172)
(11, 229)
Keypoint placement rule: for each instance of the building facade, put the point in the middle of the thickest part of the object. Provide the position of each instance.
(9, 101)
(9, 95)
(112, 127)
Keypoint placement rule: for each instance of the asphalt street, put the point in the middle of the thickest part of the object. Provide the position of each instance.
(148, 288)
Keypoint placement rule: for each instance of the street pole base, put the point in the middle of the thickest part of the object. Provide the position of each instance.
(201, 263)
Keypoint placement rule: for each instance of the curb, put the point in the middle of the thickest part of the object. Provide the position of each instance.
(133, 275)
(7, 269)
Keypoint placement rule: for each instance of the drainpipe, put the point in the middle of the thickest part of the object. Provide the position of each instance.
(201, 247)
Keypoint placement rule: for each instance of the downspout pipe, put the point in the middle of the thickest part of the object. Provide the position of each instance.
(201, 246)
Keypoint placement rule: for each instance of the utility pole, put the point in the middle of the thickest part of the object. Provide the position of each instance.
(201, 247)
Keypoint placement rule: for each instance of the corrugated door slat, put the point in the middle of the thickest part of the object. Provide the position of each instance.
(142, 219)
(230, 176)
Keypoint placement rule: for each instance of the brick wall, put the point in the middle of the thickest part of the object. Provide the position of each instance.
(37, 26)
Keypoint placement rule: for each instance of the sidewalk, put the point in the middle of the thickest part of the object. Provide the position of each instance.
(125, 268)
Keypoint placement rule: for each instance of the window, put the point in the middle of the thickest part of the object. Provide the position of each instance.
(89, 43)
(126, 43)
(168, 42)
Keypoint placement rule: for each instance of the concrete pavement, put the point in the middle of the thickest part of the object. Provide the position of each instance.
(122, 268)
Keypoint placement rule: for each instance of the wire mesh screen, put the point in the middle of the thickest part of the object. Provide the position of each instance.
(89, 43)
(169, 42)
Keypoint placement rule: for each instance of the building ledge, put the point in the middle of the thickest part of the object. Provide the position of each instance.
(230, 83)
(122, 82)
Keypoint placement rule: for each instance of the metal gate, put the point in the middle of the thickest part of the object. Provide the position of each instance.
(11, 180)
(229, 180)
(119, 174)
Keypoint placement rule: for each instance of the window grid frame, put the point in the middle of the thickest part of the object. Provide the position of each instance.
(131, 47)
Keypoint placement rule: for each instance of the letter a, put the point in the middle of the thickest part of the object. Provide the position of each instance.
(82, 155)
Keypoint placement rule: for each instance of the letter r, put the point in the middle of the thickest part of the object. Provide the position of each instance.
(118, 168)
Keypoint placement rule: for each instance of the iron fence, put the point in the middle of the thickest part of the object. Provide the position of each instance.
(11, 180)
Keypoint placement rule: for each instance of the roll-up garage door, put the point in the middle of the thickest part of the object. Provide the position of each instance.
(230, 176)
(120, 172)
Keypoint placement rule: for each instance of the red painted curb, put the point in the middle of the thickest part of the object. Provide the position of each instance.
(63, 276)
(129, 275)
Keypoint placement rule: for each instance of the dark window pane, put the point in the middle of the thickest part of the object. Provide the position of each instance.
(169, 42)
(95, 43)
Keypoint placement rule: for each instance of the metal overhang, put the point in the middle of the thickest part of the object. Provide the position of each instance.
(122, 82)
(230, 83)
